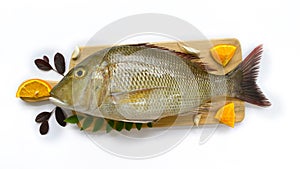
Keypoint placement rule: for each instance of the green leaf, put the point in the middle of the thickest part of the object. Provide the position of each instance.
(110, 125)
(128, 126)
(119, 125)
(87, 122)
(72, 119)
(149, 125)
(98, 124)
(138, 125)
(80, 117)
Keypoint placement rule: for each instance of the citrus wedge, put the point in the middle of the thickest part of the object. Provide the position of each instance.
(223, 53)
(34, 89)
(226, 115)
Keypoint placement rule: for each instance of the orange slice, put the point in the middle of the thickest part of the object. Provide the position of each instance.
(223, 53)
(226, 115)
(34, 89)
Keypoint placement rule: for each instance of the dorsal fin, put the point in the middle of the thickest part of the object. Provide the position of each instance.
(192, 58)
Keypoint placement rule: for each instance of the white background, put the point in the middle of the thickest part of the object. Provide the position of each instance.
(266, 138)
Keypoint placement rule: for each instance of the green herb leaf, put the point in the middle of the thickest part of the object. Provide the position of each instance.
(72, 119)
(87, 122)
(80, 117)
(110, 125)
(149, 125)
(98, 124)
(138, 126)
(119, 125)
(128, 126)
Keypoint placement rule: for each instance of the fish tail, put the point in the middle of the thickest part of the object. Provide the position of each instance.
(244, 77)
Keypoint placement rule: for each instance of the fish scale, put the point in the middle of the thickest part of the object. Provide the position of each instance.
(152, 68)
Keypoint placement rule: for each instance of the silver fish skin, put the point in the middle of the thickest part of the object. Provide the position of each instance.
(146, 83)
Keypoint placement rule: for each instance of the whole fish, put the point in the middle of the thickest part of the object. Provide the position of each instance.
(143, 83)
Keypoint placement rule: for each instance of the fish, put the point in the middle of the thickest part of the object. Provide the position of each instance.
(144, 83)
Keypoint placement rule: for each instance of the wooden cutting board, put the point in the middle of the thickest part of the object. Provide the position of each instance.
(80, 53)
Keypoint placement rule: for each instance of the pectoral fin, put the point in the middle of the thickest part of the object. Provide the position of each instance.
(132, 96)
(142, 105)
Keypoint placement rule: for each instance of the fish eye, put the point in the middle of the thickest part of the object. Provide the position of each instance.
(79, 72)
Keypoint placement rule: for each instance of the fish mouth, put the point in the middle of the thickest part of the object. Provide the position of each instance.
(58, 102)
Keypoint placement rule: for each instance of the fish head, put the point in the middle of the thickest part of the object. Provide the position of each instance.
(67, 92)
(60, 94)
(77, 90)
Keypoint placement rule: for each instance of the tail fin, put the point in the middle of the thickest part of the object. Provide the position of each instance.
(245, 76)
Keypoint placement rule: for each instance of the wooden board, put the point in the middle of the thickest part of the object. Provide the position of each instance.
(204, 48)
